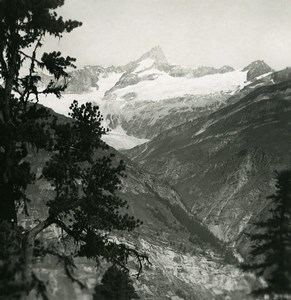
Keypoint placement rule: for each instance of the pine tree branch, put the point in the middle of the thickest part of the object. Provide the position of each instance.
(141, 258)
(30, 57)
(41, 226)
(68, 264)
(63, 226)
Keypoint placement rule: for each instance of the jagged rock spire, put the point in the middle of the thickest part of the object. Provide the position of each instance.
(155, 53)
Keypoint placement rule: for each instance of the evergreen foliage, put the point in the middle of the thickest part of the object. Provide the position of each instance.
(270, 255)
(84, 203)
(116, 285)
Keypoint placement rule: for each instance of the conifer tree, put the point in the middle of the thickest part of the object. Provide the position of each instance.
(81, 172)
(270, 255)
(23, 25)
(115, 285)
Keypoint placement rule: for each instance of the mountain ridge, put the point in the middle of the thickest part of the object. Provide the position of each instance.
(148, 95)
(215, 162)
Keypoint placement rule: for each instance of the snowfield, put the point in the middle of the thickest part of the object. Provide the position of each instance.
(166, 86)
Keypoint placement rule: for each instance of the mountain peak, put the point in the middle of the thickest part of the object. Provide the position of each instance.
(157, 54)
(256, 63)
(225, 69)
(257, 68)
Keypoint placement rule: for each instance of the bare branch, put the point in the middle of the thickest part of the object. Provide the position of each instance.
(40, 227)
(141, 258)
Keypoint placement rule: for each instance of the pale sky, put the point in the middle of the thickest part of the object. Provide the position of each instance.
(190, 32)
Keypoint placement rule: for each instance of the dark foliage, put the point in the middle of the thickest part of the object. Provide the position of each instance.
(84, 203)
(23, 24)
(116, 285)
(270, 255)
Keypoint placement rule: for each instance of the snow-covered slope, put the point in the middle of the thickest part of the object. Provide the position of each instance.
(165, 86)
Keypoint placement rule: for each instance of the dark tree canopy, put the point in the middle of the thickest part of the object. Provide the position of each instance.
(23, 24)
(270, 255)
(83, 175)
(115, 285)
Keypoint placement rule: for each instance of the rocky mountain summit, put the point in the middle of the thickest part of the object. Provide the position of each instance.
(256, 69)
(156, 54)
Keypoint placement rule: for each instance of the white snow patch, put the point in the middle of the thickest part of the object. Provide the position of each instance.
(263, 75)
(144, 64)
(119, 139)
(107, 82)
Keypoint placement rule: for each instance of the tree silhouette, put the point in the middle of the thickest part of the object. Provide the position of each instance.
(270, 255)
(81, 172)
(116, 285)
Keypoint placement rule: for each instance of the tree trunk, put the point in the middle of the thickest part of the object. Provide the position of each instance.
(28, 242)
(8, 209)
(7, 204)
(27, 279)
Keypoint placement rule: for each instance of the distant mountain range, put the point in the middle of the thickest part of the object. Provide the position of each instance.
(149, 95)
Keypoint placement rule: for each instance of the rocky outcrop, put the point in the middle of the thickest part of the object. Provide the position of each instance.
(156, 54)
(257, 68)
(84, 79)
(282, 75)
(225, 69)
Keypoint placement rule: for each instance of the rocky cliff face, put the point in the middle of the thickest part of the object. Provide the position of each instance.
(222, 165)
